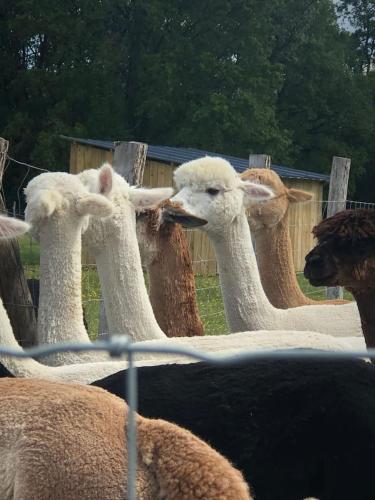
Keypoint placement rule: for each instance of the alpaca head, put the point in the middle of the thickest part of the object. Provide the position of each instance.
(11, 228)
(345, 253)
(61, 197)
(148, 230)
(267, 214)
(126, 201)
(211, 194)
(154, 232)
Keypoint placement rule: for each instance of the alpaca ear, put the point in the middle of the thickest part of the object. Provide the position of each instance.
(10, 227)
(94, 204)
(255, 192)
(105, 179)
(44, 204)
(298, 196)
(142, 198)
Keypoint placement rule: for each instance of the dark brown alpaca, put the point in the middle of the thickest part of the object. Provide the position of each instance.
(165, 252)
(345, 256)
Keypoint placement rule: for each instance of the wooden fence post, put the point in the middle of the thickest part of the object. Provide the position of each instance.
(259, 161)
(129, 161)
(13, 284)
(338, 190)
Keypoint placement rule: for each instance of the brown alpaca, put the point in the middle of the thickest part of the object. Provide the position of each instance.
(165, 252)
(269, 226)
(345, 256)
(61, 441)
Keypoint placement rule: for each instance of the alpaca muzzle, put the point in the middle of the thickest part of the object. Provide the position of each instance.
(180, 216)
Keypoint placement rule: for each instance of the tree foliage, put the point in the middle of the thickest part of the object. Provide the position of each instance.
(237, 76)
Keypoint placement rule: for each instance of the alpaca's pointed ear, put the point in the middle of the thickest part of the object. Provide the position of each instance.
(105, 179)
(94, 204)
(298, 196)
(255, 192)
(10, 227)
(142, 198)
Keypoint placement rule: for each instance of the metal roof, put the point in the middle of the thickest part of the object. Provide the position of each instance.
(181, 155)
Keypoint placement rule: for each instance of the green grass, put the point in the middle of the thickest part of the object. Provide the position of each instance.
(209, 297)
(314, 292)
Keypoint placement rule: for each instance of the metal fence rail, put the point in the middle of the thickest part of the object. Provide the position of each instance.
(119, 345)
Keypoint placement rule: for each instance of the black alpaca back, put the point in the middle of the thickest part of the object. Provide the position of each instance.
(295, 428)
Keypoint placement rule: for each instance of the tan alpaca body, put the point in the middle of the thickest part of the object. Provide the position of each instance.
(61, 441)
(165, 252)
(269, 223)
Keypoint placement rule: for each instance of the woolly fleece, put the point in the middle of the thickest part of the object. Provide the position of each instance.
(64, 441)
(294, 428)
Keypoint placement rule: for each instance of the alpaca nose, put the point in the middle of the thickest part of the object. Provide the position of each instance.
(313, 259)
(179, 215)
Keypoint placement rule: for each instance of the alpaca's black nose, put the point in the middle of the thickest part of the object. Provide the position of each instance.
(313, 259)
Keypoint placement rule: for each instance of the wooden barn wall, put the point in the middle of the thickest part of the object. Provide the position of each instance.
(83, 157)
(302, 216)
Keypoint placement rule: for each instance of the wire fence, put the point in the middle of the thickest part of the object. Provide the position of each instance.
(119, 345)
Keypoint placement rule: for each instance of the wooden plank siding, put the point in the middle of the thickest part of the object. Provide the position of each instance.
(302, 218)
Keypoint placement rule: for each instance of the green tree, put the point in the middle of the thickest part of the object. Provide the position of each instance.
(199, 75)
(322, 103)
(359, 16)
(233, 76)
(57, 78)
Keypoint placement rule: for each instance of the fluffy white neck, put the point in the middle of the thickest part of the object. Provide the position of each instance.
(60, 317)
(83, 372)
(118, 260)
(246, 305)
(18, 367)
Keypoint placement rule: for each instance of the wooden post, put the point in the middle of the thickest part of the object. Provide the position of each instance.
(338, 190)
(14, 290)
(259, 161)
(129, 161)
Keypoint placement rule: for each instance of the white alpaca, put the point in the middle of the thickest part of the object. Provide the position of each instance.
(113, 243)
(210, 189)
(66, 441)
(58, 206)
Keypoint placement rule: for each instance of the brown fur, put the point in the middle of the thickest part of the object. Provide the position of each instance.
(172, 283)
(64, 441)
(352, 225)
(270, 227)
(345, 256)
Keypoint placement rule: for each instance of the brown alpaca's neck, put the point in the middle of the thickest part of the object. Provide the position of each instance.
(366, 302)
(172, 285)
(276, 266)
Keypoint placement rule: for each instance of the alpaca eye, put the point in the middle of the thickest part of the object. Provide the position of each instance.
(212, 191)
